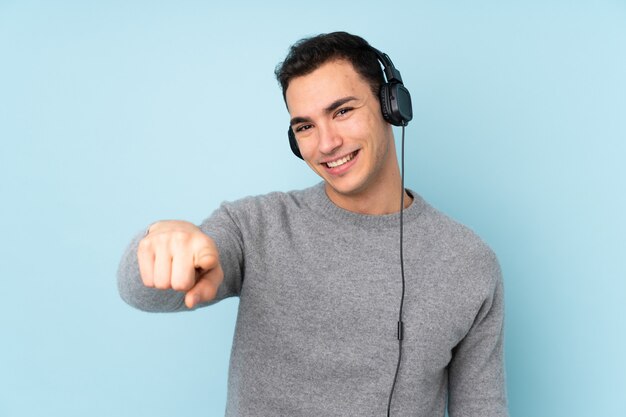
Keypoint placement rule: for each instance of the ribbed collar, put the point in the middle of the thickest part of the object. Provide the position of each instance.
(320, 203)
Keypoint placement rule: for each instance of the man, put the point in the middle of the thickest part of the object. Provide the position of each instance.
(318, 270)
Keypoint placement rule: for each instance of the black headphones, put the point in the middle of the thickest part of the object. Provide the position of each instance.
(395, 100)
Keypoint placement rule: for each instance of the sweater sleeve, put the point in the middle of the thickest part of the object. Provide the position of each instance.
(221, 227)
(476, 371)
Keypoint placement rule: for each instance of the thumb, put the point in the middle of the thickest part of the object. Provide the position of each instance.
(205, 259)
(205, 288)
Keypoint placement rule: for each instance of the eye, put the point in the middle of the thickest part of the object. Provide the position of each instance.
(343, 111)
(302, 128)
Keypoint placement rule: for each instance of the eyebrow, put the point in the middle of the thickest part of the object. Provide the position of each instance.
(329, 109)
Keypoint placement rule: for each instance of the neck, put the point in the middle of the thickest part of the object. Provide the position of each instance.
(381, 199)
(373, 207)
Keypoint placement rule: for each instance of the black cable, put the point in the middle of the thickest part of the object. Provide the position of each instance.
(400, 323)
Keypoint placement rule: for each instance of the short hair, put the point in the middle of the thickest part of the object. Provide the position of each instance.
(308, 54)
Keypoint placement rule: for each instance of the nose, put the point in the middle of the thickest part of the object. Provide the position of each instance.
(329, 139)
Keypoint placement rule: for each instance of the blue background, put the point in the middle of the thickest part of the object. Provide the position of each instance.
(115, 114)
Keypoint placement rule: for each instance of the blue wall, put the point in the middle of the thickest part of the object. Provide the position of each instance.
(115, 114)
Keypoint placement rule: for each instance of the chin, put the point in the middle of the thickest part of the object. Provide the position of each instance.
(348, 189)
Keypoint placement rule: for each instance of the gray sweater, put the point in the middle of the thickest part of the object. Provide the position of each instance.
(319, 292)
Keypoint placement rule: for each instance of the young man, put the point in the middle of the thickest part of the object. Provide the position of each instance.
(318, 270)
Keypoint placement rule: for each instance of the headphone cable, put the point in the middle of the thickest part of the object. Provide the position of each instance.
(400, 323)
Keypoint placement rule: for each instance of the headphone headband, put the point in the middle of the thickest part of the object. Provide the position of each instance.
(391, 73)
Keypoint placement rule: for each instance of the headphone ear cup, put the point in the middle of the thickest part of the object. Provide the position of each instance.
(293, 143)
(400, 101)
(395, 103)
(385, 105)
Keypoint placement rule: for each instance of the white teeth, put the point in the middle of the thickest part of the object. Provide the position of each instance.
(340, 162)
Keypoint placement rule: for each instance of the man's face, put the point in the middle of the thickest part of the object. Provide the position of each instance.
(341, 132)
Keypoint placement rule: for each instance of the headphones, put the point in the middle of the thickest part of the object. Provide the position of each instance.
(395, 100)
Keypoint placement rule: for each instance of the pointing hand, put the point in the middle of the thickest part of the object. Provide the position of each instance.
(178, 255)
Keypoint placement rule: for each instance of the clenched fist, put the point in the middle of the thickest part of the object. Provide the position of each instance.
(177, 255)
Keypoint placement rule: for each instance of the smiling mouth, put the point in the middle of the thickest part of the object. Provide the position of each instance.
(341, 161)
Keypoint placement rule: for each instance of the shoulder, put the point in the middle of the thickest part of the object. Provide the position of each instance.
(272, 201)
(266, 211)
(459, 248)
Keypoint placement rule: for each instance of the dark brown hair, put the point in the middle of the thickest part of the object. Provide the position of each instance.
(308, 54)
